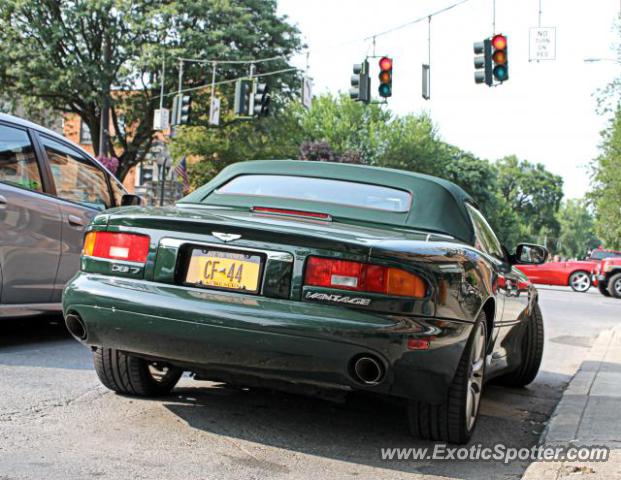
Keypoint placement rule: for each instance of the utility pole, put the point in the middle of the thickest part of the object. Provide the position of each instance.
(162, 84)
(105, 100)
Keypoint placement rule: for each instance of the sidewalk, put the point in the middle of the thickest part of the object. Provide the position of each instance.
(589, 413)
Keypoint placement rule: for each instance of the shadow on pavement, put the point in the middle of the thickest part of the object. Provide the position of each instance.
(355, 432)
(25, 331)
(41, 342)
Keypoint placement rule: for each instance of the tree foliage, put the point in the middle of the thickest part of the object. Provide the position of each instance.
(606, 194)
(534, 193)
(69, 53)
(577, 234)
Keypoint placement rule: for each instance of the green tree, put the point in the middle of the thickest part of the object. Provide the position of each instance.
(69, 54)
(577, 229)
(274, 137)
(534, 194)
(411, 143)
(346, 125)
(606, 194)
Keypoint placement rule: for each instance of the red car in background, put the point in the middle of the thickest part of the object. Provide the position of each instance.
(608, 274)
(574, 273)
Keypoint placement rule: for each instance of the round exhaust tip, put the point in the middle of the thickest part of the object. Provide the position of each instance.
(368, 370)
(76, 326)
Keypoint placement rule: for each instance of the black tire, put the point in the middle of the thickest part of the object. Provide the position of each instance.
(129, 375)
(614, 285)
(449, 422)
(603, 290)
(580, 281)
(532, 352)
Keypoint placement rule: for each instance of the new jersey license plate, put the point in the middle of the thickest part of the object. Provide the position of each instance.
(225, 270)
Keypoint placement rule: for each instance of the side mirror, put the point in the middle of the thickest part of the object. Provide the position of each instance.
(530, 254)
(130, 199)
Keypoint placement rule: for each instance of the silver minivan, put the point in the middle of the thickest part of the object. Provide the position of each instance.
(49, 190)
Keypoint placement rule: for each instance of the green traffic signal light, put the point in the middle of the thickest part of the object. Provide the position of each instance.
(501, 73)
(385, 90)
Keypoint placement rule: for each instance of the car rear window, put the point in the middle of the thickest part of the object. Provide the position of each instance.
(323, 190)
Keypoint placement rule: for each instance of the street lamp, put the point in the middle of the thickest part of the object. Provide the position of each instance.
(164, 162)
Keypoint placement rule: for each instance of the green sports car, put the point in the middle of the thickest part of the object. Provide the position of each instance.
(315, 278)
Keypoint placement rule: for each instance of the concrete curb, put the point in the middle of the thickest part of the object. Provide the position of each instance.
(570, 423)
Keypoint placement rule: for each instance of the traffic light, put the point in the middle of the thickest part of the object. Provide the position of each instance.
(361, 83)
(385, 77)
(182, 108)
(260, 100)
(483, 62)
(500, 58)
(185, 109)
(243, 88)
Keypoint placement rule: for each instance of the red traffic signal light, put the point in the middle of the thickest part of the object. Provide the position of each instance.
(385, 77)
(385, 63)
(499, 42)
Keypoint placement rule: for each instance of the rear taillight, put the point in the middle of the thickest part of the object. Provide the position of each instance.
(362, 277)
(130, 247)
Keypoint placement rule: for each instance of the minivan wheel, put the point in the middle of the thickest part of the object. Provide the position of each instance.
(580, 281)
(130, 375)
(454, 420)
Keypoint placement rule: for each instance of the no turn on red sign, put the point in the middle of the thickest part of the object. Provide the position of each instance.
(542, 44)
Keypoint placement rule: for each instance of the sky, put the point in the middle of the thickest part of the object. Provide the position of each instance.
(545, 113)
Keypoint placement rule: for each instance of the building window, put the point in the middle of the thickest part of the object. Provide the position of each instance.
(85, 134)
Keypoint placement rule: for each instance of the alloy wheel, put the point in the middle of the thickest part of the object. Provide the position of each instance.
(580, 281)
(617, 287)
(475, 376)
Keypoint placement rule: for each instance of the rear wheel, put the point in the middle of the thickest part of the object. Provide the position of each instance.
(130, 375)
(532, 352)
(614, 285)
(455, 419)
(580, 281)
(603, 289)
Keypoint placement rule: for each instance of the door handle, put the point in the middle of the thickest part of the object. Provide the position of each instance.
(75, 221)
(2, 200)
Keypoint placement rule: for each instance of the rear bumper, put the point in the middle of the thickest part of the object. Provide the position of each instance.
(269, 339)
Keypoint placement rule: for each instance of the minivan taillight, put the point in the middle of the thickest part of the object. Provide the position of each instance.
(362, 277)
(130, 247)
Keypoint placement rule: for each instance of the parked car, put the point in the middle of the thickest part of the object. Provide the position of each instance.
(49, 191)
(608, 274)
(578, 274)
(311, 276)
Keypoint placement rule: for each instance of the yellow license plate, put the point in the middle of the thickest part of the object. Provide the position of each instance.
(226, 270)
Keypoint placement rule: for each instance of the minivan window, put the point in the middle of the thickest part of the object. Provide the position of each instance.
(325, 190)
(76, 178)
(18, 163)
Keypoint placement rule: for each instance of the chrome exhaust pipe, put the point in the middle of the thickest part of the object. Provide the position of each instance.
(368, 370)
(76, 326)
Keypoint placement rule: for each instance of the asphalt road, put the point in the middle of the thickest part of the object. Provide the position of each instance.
(57, 422)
